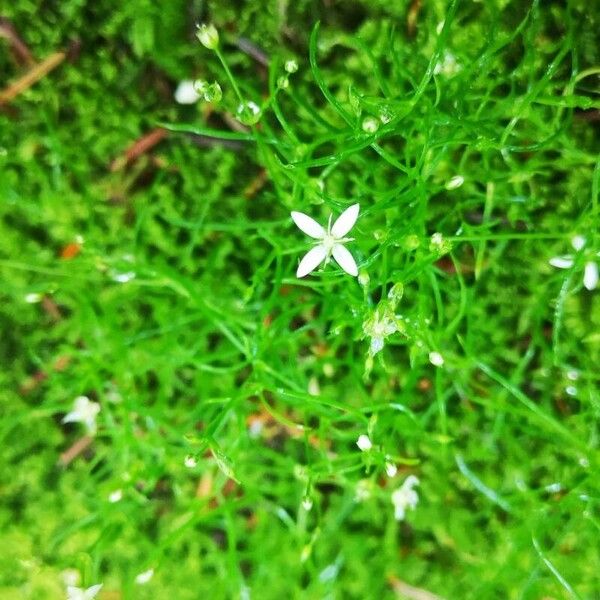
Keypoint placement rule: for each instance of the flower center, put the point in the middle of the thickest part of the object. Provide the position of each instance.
(328, 242)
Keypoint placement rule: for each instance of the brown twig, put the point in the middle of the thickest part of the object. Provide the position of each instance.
(31, 77)
(252, 50)
(139, 147)
(256, 184)
(81, 445)
(412, 16)
(19, 48)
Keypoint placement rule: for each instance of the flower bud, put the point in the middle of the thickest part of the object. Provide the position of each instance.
(291, 66)
(208, 36)
(248, 113)
(370, 125)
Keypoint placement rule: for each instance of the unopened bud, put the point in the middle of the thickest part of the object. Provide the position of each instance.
(208, 36)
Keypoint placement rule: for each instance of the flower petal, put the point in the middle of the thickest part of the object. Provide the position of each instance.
(312, 259)
(72, 417)
(590, 276)
(308, 225)
(345, 221)
(75, 593)
(345, 259)
(578, 242)
(92, 592)
(562, 262)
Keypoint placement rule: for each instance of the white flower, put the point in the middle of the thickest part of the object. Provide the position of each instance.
(186, 93)
(363, 490)
(76, 593)
(190, 461)
(380, 328)
(370, 125)
(455, 182)
(390, 468)
(84, 411)
(331, 242)
(590, 272)
(144, 577)
(115, 496)
(436, 359)
(314, 389)
(364, 443)
(448, 66)
(307, 503)
(405, 497)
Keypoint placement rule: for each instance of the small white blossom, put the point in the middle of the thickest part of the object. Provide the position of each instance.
(455, 182)
(190, 461)
(370, 125)
(122, 277)
(115, 496)
(307, 503)
(381, 328)
(208, 36)
(436, 359)
(553, 488)
(364, 443)
(33, 298)
(84, 411)
(405, 497)
(590, 275)
(144, 577)
(76, 593)
(314, 389)
(578, 242)
(363, 490)
(448, 66)
(255, 429)
(331, 241)
(390, 469)
(186, 93)
(590, 272)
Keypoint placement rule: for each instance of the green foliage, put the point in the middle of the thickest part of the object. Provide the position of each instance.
(232, 394)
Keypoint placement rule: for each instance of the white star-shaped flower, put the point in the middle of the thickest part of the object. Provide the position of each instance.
(590, 272)
(364, 443)
(84, 411)
(76, 593)
(405, 497)
(330, 242)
